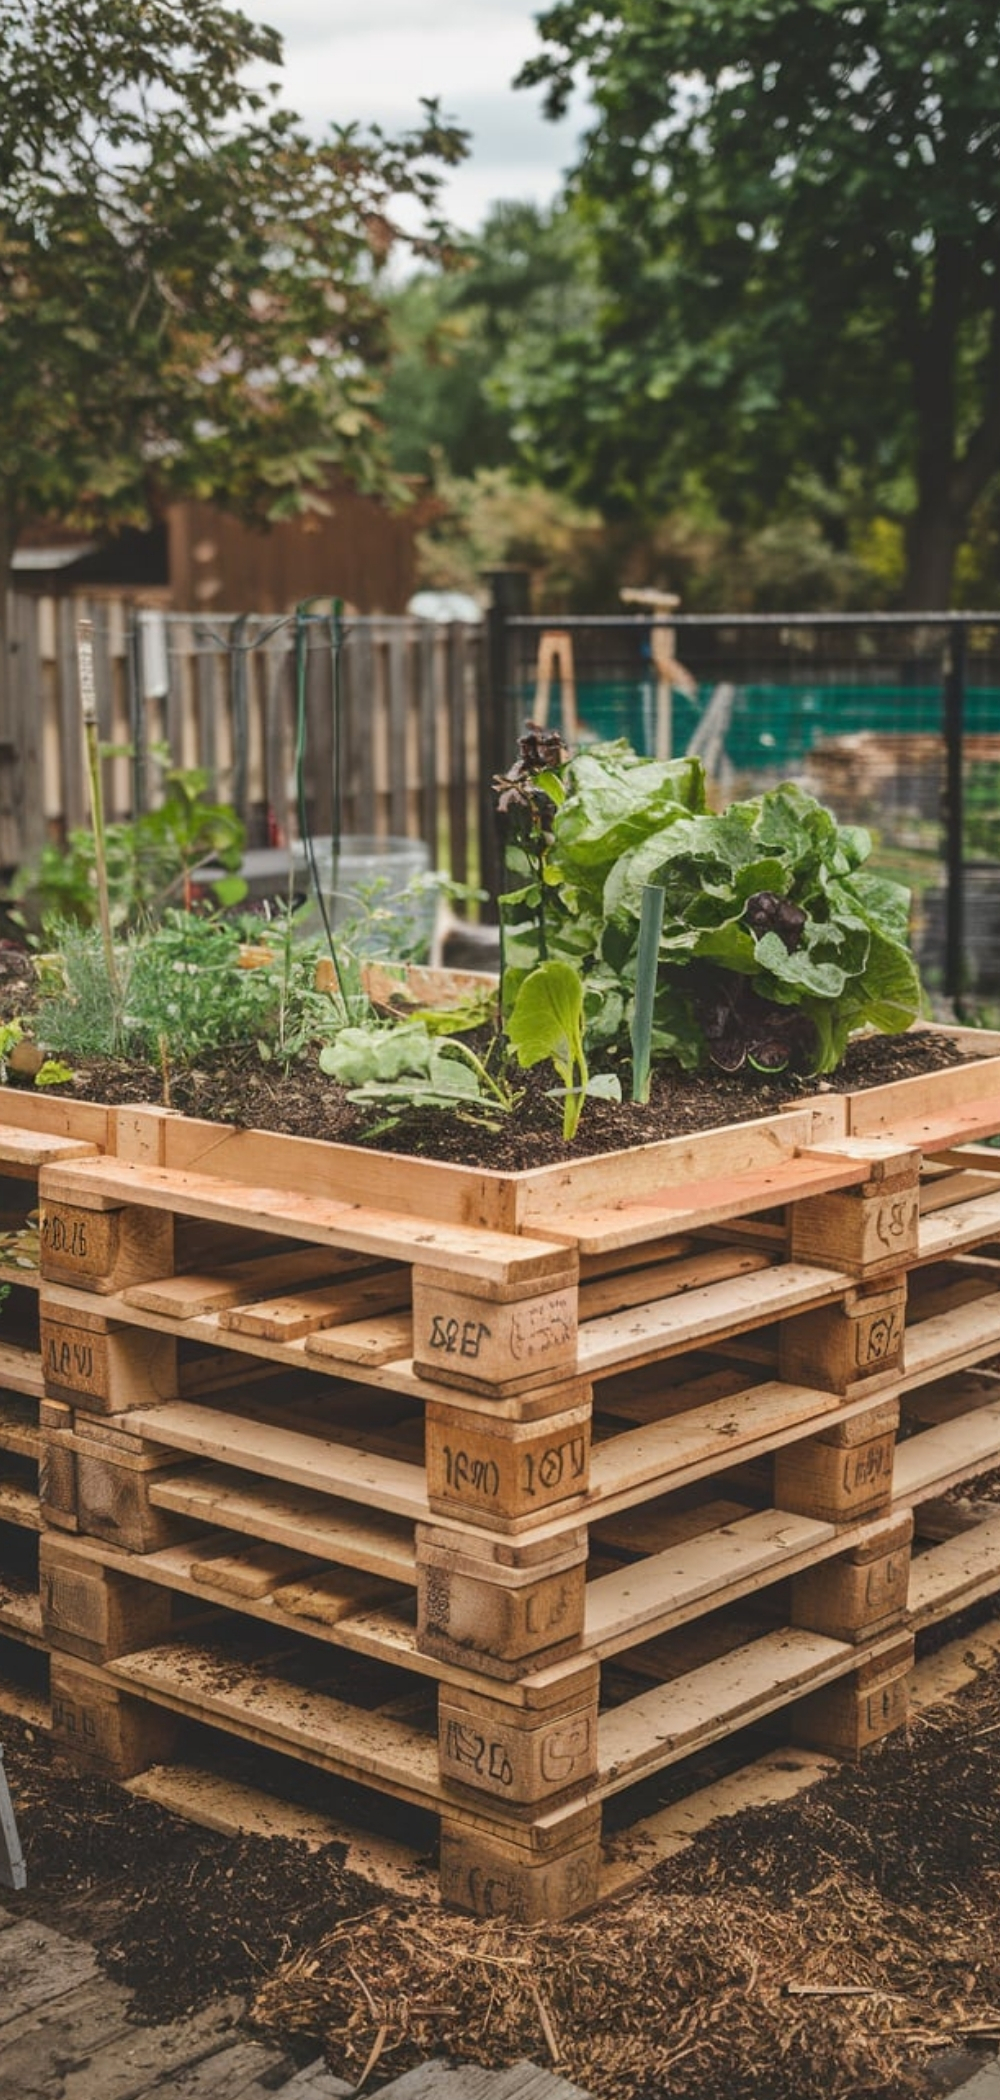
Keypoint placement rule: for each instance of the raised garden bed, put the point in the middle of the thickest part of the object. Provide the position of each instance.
(495, 1493)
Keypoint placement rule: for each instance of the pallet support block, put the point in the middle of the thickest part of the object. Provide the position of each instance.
(103, 1364)
(516, 1753)
(501, 1474)
(106, 1247)
(114, 1473)
(843, 1473)
(57, 1466)
(104, 1729)
(863, 1592)
(93, 1612)
(850, 1347)
(494, 1618)
(495, 1338)
(496, 1876)
(845, 1718)
(868, 1231)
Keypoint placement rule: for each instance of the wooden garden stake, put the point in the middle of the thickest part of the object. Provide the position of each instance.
(650, 928)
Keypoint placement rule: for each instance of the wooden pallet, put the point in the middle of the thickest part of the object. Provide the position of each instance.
(586, 1470)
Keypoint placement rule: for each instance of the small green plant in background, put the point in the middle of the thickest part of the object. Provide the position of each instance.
(151, 863)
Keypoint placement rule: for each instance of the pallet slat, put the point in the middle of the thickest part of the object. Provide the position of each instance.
(493, 1256)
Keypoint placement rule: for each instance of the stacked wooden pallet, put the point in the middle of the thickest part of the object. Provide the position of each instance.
(499, 1494)
(23, 1151)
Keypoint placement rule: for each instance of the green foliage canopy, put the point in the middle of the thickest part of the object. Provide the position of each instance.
(795, 210)
(188, 284)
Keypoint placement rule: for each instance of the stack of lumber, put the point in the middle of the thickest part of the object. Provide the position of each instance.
(497, 1496)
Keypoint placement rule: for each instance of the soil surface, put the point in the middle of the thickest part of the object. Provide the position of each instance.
(300, 1101)
(833, 1946)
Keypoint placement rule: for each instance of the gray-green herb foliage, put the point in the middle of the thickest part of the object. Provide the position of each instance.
(776, 941)
(181, 988)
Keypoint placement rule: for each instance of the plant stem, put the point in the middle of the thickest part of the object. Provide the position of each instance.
(88, 708)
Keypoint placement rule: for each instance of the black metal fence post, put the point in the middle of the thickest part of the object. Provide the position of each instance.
(954, 730)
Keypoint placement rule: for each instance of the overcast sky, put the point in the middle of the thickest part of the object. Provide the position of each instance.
(371, 60)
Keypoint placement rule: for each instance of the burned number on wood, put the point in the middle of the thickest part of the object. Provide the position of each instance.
(458, 1337)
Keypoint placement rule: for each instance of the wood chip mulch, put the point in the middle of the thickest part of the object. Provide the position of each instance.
(836, 1945)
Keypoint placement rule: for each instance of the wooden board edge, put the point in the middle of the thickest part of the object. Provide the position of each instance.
(236, 1809)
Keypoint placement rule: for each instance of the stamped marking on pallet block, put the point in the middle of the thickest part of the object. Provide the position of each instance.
(847, 1345)
(517, 1756)
(112, 1366)
(497, 1880)
(863, 1592)
(103, 1249)
(846, 1717)
(101, 1727)
(836, 1482)
(870, 1232)
(92, 1612)
(505, 1472)
(507, 1339)
(497, 1620)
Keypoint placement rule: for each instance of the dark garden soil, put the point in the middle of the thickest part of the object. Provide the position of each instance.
(237, 1087)
(833, 1946)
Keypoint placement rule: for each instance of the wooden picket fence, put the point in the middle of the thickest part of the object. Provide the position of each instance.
(220, 692)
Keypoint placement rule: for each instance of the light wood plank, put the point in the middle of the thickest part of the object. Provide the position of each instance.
(666, 1279)
(19, 1431)
(208, 1685)
(952, 1188)
(955, 1574)
(21, 1370)
(19, 1505)
(733, 1149)
(693, 1205)
(742, 1302)
(334, 1305)
(947, 1231)
(667, 1723)
(493, 1256)
(668, 1587)
(286, 1454)
(951, 1341)
(299, 1518)
(688, 1446)
(940, 1458)
(182, 1297)
(388, 1340)
(39, 1148)
(21, 1612)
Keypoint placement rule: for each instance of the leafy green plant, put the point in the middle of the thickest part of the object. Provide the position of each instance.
(406, 1066)
(151, 863)
(776, 942)
(546, 1021)
(179, 986)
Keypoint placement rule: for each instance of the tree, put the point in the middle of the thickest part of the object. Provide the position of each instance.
(188, 285)
(795, 209)
(518, 283)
